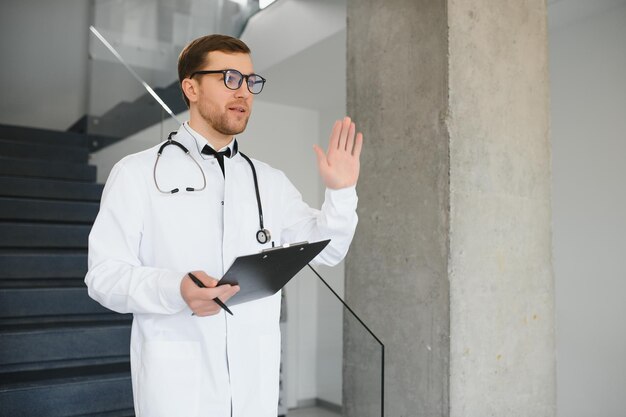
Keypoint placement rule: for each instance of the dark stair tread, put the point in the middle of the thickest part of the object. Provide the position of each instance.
(83, 374)
(41, 302)
(24, 345)
(49, 189)
(107, 316)
(40, 151)
(41, 252)
(127, 412)
(126, 118)
(43, 235)
(66, 327)
(43, 136)
(47, 169)
(35, 283)
(67, 392)
(42, 263)
(12, 208)
(21, 368)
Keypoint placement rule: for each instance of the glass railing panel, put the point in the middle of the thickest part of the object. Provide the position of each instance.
(148, 37)
(340, 365)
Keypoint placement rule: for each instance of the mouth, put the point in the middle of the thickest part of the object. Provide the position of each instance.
(238, 109)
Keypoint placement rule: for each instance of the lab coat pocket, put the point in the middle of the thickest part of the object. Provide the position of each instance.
(169, 379)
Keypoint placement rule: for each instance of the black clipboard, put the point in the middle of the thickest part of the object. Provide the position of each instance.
(264, 274)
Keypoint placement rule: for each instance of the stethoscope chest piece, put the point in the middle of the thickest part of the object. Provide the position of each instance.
(263, 236)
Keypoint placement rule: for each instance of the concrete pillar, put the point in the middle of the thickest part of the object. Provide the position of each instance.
(451, 263)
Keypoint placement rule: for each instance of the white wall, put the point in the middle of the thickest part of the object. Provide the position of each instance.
(44, 62)
(315, 78)
(588, 88)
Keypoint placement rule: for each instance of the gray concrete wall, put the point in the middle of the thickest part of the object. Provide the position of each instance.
(502, 294)
(451, 263)
(396, 272)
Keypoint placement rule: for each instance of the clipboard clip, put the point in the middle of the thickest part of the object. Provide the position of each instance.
(286, 245)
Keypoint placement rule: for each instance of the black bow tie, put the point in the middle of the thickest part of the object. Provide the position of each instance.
(207, 150)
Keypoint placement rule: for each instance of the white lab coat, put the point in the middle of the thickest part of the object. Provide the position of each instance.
(142, 244)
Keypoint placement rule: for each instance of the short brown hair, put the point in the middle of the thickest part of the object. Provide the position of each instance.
(193, 57)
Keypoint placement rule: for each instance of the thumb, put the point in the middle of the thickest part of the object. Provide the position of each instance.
(321, 157)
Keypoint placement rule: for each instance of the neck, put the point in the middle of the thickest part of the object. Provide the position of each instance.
(216, 139)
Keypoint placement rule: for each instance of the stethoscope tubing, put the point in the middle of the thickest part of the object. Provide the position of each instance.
(171, 141)
(263, 235)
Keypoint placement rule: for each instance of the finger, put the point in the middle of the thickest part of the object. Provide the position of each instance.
(207, 280)
(321, 156)
(208, 310)
(350, 140)
(345, 127)
(334, 136)
(234, 290)
(208, 294)
(203, 308)
(358, 145)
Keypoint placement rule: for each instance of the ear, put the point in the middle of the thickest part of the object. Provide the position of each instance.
(190, 89)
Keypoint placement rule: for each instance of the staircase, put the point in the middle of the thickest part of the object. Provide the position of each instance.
(61, 353)
(127, 118)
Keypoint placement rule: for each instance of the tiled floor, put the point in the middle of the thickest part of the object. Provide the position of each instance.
(311, 412)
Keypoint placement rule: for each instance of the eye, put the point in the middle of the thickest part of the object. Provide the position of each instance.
(232, 79)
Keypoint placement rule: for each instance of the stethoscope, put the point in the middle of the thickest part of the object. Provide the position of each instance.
(262, 235)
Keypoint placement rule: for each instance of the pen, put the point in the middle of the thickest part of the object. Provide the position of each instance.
(216, 299)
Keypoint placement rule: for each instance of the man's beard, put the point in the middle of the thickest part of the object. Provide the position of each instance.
(222, 122)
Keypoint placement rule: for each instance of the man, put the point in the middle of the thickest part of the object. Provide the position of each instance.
(146, 239)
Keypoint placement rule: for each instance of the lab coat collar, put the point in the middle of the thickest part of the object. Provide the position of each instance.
(201, 141)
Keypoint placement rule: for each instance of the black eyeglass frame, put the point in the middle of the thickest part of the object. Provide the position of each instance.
(243, 76)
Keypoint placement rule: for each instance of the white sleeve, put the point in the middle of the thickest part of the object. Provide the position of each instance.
(116, 278)
(336, 220)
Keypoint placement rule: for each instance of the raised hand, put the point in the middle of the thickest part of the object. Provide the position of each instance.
(339, 167)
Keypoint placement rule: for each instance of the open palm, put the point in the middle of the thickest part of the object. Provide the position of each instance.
(339, 166)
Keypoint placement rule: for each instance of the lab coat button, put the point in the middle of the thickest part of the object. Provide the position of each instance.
(222, 203)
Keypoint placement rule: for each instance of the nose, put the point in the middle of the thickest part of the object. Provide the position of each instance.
(242, 91)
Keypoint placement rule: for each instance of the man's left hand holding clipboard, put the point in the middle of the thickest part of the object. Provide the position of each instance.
(200, 300)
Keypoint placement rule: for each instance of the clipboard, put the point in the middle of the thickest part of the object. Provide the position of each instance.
(264, 274)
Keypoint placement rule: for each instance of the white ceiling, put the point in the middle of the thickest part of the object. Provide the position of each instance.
(299, 46)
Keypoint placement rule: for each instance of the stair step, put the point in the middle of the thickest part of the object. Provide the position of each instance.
(16, 263)
(68, 392)
(125, 119)
(43, 136)
(34, 302)
(14, 372)
(18, 167)
(15, 149)
(128, 412)
(47, 210)
(52, 189)
(74, 318)
(36, 344)
(39, 235)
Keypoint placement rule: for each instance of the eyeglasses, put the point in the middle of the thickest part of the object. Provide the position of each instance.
(233, 79)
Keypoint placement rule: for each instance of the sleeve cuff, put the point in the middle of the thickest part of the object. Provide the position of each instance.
(342, 196)
(169, 288)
